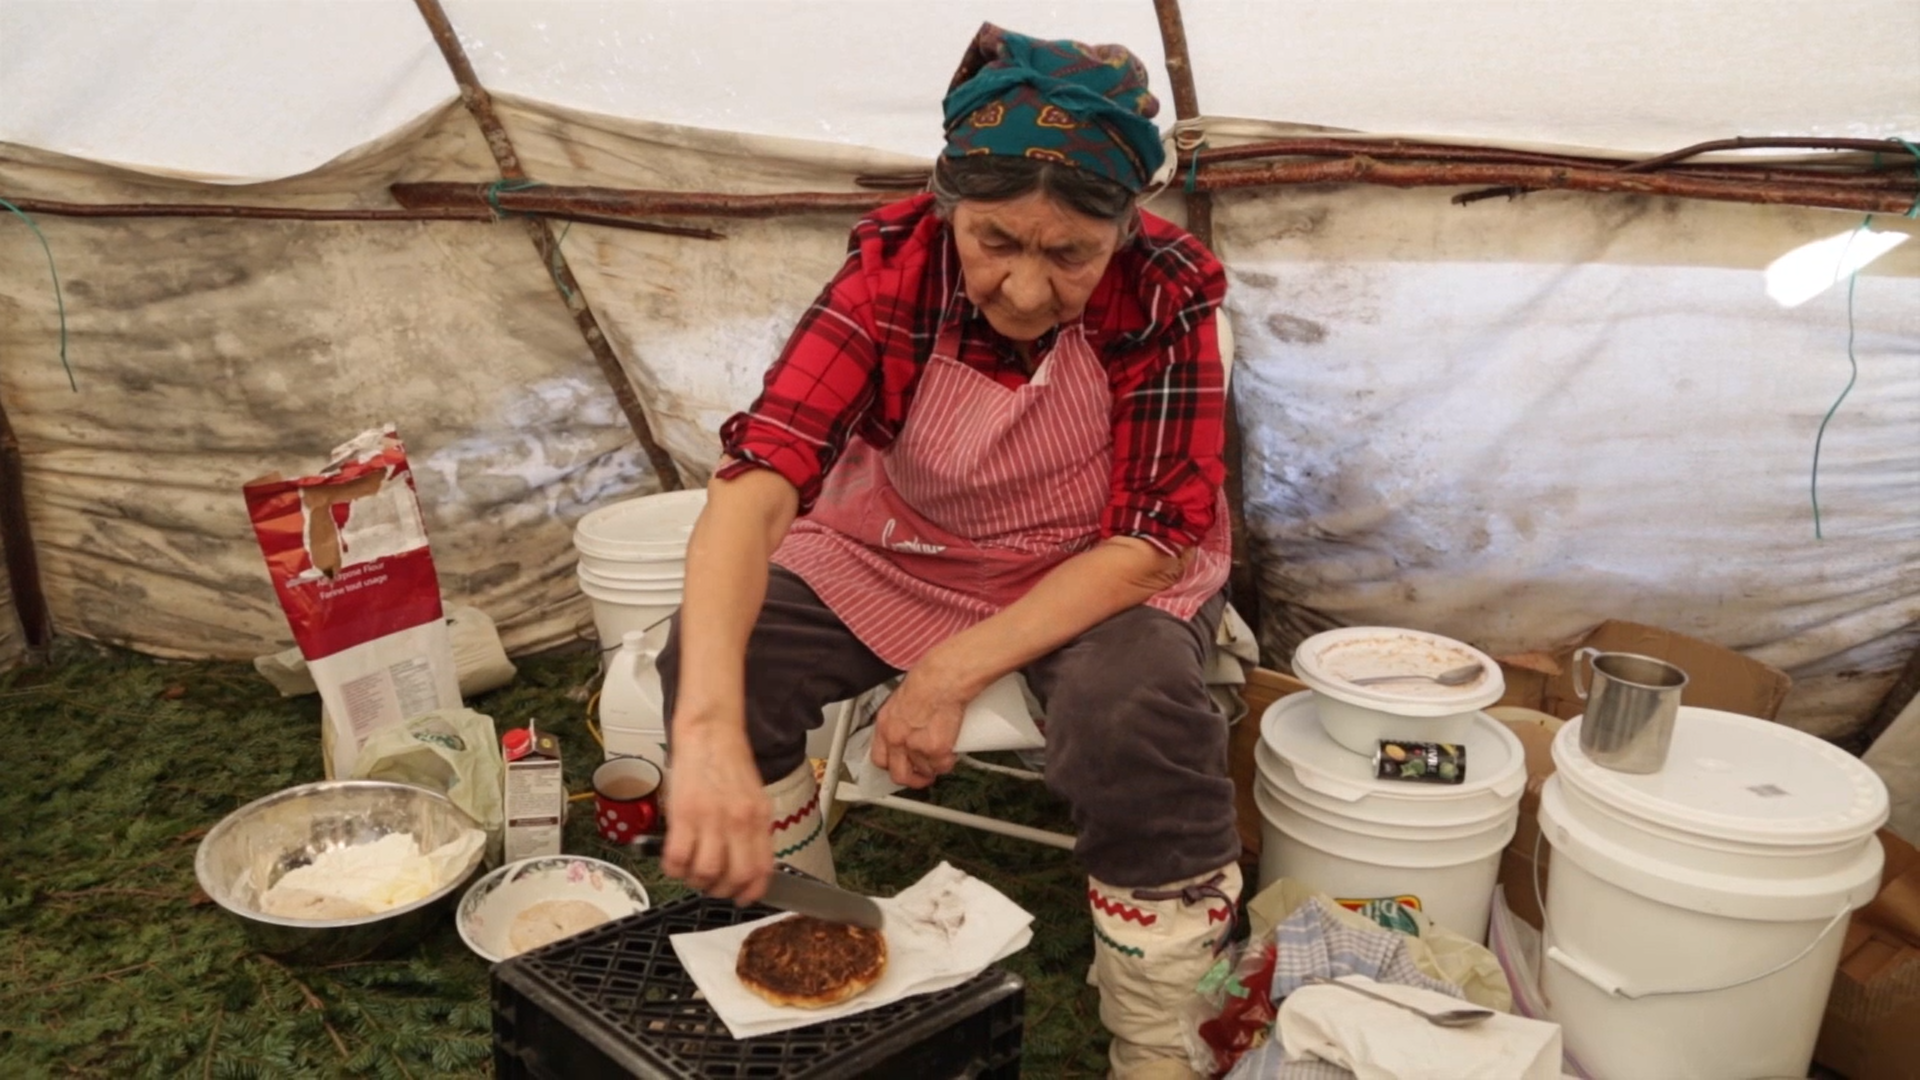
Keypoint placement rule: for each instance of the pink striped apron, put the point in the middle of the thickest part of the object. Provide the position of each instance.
(986, 489)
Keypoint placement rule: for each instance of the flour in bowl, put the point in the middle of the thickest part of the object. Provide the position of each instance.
(366, 879)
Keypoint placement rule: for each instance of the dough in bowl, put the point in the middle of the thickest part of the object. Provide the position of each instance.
(550, 920)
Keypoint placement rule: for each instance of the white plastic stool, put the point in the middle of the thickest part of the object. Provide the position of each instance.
(849, 715)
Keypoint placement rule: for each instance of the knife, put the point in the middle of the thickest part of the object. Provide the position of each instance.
(799, 894)
(791, 892)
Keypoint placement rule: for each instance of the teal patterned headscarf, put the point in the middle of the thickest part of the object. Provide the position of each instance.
(1080, 105)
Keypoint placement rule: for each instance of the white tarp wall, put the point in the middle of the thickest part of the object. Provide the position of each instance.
(1505, 421)
(260, 89)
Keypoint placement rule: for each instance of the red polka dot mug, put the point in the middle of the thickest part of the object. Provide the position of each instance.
(626, 799)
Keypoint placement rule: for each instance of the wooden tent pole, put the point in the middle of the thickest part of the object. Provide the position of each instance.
(480, 104)
(613, 205)
(1186, 106)
(23, 565)
(468, 211)
(1845, 170)
(1394, 163)
(1368, 170)
(1243, 584)
(1898, 697)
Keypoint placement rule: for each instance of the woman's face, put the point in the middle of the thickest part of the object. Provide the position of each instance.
(1030, 263)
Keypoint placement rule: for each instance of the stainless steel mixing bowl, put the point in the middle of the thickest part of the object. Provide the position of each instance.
(251, 848)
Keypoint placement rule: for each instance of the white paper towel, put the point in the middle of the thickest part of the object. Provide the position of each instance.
(1380, 1042)
(941, 931)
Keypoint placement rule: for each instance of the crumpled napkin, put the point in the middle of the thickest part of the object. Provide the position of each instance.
(941, 931)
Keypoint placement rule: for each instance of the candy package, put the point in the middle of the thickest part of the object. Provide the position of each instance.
(1420, 762)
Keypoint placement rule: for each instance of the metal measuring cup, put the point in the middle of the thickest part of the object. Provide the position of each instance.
(1628, 723)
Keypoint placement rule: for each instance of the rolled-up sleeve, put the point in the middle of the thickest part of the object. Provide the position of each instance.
(1169, 425)
(815, 394)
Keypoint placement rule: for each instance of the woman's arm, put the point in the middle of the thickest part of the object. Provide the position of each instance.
(919, 722)
(717, 809)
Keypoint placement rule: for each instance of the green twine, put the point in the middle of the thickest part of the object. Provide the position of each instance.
(492, 194)
(1193, 167)
(59, 302)
(494, 189)
(1853, 363)
(1914, 210)
(553, 268)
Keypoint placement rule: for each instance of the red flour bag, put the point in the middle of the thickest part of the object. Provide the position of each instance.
(347, 551)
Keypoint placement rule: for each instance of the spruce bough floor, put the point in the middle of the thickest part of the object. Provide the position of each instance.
(112, 964)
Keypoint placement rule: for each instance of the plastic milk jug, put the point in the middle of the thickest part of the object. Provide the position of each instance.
(632, 718)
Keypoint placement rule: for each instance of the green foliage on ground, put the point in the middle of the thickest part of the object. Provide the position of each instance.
(113, 964)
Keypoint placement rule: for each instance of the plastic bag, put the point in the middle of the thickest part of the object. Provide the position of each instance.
(1517, 946)
(480, 662)
(1231, 1012)
(451, 751)
(346, 550)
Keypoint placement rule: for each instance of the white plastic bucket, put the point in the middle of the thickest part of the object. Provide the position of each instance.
(642, 588)
(636, 530)
(616, 611)
(1450, 878)
(661, 573)
(632, 563)
(1327, 822)
(1695, 915)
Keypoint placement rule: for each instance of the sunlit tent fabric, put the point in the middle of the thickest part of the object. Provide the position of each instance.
(1503, 421)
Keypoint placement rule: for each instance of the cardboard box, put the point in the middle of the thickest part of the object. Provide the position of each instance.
(1717, 678)
(536, 794)
(1517, 878)
(1263, 688)
(1872, 1026)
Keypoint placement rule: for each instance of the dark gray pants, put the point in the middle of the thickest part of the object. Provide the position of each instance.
(1135, 744)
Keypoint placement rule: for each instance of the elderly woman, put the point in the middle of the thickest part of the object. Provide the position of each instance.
(993, 444)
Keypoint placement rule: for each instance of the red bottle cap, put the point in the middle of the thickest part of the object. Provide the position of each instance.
(516, 743)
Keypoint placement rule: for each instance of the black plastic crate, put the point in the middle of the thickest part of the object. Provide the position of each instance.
(615, 1002)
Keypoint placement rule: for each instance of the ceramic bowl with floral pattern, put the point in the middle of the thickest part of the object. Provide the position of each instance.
(532, 903)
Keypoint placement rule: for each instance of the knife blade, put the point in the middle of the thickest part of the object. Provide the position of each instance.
(805, 896)
(800, 895)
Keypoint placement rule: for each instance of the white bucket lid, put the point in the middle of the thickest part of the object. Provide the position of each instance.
(1455, 817)
(674, 569)
(1734, 777)
(1717, 892)
(672, 583)
(641, 598)
(1496, 763)
(1422, 849)
(649, 527)
(1328, 662)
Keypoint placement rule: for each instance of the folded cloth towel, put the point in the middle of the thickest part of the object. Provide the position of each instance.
(1315, 941)
(1378, 1041)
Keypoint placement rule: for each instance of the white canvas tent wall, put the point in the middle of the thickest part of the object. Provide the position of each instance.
(1504, 421)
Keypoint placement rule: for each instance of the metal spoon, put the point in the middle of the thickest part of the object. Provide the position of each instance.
(1451, 1018)
(1459, 676)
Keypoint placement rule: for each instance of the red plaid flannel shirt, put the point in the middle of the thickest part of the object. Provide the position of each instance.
(853, 362)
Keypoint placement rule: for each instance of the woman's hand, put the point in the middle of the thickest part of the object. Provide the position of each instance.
(914, 735)
(718, 837)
